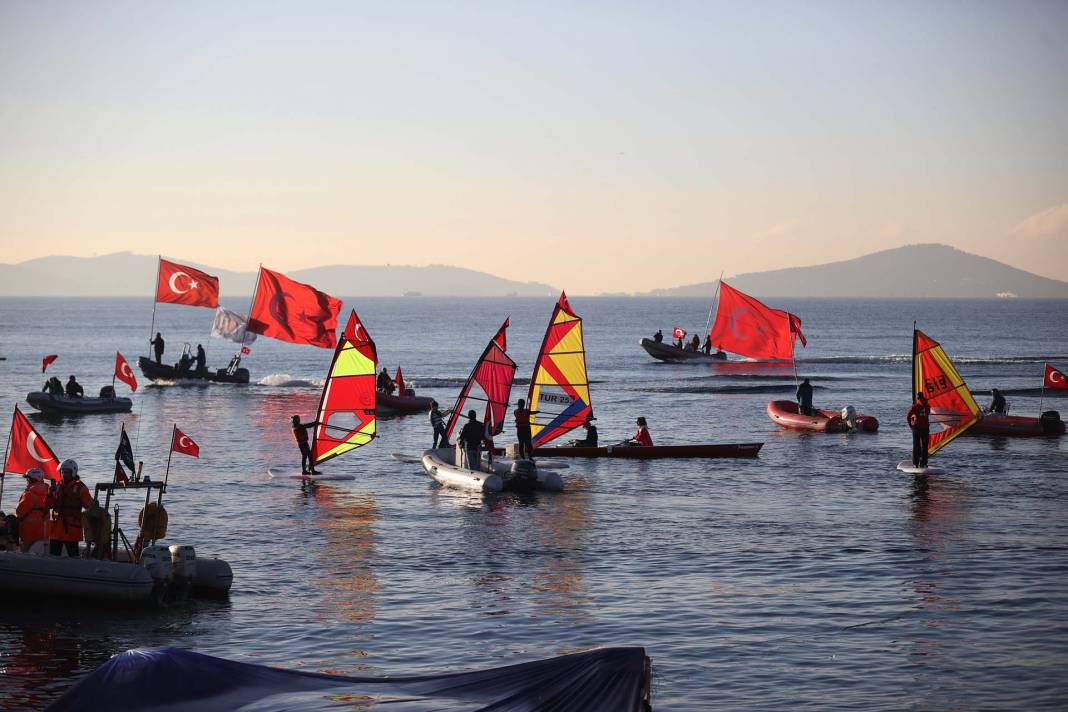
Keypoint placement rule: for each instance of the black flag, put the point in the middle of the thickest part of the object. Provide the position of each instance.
(125, 453)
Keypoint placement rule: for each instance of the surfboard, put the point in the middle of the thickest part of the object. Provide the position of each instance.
(907, 467)
(409, 459)
(293, 473)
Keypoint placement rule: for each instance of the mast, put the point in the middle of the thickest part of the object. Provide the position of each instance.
(712, 309)
(153, 325)
(7, 451)
(915, 343)
(248, 317)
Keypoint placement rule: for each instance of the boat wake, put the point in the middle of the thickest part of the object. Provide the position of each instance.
(284, 380)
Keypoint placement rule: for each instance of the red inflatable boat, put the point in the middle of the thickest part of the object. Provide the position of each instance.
(1017, 426)
(788, 415)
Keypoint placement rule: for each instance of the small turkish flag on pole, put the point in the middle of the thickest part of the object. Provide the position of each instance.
(1055, 379)
(678, 332)
(178, 284)
(184, 444)
(123, 372)
(47, 361)
(27, 449)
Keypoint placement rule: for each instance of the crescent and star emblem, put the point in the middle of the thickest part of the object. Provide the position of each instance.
(173, 282)
(1056, 376)
(740, 311)
(32, 449)
(184, 442)
(280, 310)
(125, 368)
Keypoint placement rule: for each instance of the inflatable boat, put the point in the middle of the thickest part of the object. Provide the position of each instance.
(635, 452)
(788, 415)
(617, 679)
(673, 354)
(47, 403)
(1017, 426)
(163, 372)
(504, 474)
(400, 405)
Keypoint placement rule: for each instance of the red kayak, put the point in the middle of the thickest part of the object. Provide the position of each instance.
(788, 415)
(401, 405)
(1017, 426)
(638, 452)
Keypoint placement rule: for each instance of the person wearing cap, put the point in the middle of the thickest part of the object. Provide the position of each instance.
(641, 436)
(522, 430)
(591, 433)
(32, 509)
(437, 421)
(67, 502)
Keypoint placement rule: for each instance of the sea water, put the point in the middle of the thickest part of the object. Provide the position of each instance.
(816, 576)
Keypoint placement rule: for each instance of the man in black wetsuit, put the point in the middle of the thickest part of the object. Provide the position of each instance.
(658, 337)
(300, 432)
(472, 435)
(707, 348)
(74, 389)
(202, 359)
(804, 397)
(998, 405)
(591, 433)
(157, 346)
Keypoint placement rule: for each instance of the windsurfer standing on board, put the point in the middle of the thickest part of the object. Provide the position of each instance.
(919, 420)
(300, 432)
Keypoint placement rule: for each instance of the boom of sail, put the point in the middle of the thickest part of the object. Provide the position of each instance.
(490, 383)
(559, 395)
(347, 407)
(953, 409)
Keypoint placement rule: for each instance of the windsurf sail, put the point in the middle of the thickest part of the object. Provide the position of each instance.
(559, 396)
(747, 327)
(347, 407)
(487, 388)
(953, 410)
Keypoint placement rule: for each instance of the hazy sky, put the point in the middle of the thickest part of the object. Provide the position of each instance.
(593, 145)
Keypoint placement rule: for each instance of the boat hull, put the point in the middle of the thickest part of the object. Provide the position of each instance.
(386, 404)
(439, 464)
(673, 354)
(788, 415)
(633, 452)
(163, 372)
(47, 403)
(1015, 426)
(73, 577)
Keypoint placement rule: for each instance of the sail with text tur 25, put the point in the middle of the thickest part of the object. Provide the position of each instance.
(953, 409)
(559, 396)
(487, 388)
(347, 407)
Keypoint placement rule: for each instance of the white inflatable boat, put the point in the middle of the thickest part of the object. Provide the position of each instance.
(504, 473)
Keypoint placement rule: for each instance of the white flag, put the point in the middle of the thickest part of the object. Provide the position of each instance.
(230, 325)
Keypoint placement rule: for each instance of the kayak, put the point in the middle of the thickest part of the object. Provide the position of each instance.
(673, 354)
(637, 452)
(1018, 426)
(788, 415)
(164, 372)
(47, 403)
(177, 680)
(401, 405)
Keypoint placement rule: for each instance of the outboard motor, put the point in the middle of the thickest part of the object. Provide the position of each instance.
(1051, 423)
(183, 567)
(523, 474)
(157, 559)
(849, 417)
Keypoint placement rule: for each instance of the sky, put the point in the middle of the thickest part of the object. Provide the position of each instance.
(599, 146)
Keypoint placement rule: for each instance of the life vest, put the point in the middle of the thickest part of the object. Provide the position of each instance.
(153, 521)
(32, 512)
(67, 508)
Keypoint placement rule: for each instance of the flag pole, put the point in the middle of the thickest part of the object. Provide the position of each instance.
(167, 475)
(7, 451)
(113, 374)
(248, 317)
(1042, 397)
(114, 476)
(159, 258)
(708, 321)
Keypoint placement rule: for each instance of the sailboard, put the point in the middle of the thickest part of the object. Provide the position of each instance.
(487, 388)
(953, 409)
(559, 395)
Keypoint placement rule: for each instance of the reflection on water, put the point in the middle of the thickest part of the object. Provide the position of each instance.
(347, 573)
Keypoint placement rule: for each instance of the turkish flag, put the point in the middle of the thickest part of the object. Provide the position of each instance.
(123, 372)
(179, 284)
(501, 337)
(1055, 379)
(28, 450)
(184, 444)
(47, 361)
(678, 332)
(290, 311)
(399, 380)
(747, 327)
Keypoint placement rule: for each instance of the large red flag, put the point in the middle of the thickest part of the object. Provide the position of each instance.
(293, 312)
(123, 372)
(184, 444)
(1054, 379)
(179, 284)
(47, 361)
(749, 328)
(28, 450)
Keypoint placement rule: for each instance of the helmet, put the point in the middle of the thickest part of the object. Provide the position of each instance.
(35, 473)
(69, 464)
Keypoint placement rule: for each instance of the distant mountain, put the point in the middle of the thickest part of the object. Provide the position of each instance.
(125, 274)
(910, 271)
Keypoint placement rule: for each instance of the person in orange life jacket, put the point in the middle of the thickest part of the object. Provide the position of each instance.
(300, 432)
(67, 502)
(522, 430)
(32, 510)
(641, 437)
(919, 419)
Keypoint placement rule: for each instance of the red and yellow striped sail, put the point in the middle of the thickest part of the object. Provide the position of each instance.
(347, 407)
(953, 409)
(559, 389)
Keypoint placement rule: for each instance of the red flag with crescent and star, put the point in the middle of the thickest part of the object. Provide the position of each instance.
(290, 311)
(747, 327)
(184, 444)
(27, 449)
(179, 284)
(678, 332)
(1055, 379)
(123, 372)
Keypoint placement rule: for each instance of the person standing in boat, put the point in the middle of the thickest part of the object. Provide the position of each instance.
(437, 421)
(804, 397)
(67, 502)
(522, 430)
(641, 438)
(658, 337)
(202, 359)
(157, 347)
(998, 404)
(591, 434)
(919, 419)
(74, 389)
(472, 436)
(300, 432)
(707, 348)
(32, 509)
(695, 344)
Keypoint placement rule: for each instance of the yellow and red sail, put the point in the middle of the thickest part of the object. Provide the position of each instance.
(559, 395)
(347, 407)
(953, 409)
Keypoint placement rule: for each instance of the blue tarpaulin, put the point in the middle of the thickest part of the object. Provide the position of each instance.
(172, 679)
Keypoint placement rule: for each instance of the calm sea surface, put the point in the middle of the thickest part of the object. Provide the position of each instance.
(816, 576)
